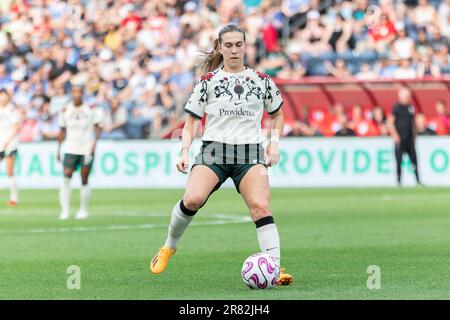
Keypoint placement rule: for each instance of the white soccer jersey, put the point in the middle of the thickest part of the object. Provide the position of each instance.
(80, 127)
(9, 118)
(234, 104)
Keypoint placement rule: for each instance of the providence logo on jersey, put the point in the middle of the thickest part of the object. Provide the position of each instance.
(236, 112)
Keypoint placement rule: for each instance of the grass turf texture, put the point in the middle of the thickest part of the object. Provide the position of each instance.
(329, 238)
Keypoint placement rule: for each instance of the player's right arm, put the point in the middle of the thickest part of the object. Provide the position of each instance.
(195, 109)
(61, 137)
(393, 130)
(186, 139)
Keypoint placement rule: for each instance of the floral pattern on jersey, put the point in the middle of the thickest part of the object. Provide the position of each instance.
(204, 79)
(228, 86)
(253, 89)
(267, 84)
(223, 88)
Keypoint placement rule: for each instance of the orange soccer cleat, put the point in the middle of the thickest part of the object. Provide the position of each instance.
(285, 279)
(160, 260)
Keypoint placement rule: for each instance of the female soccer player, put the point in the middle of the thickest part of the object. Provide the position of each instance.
(9, 139)
(80, 127)
(233, 97)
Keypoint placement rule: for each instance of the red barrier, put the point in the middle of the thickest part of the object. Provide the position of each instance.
(307, 96)
(312, 93)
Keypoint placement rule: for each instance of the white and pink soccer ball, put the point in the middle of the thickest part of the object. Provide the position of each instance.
(260, 271)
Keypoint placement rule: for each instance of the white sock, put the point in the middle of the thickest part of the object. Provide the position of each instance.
(14, 194)
(64, 195)
(269, 240)
(85, 195)
(178, 224)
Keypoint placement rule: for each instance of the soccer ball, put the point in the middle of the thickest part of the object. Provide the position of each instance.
(260, 271)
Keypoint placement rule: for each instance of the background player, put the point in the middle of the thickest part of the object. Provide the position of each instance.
(9, 140)
(80, 128)
(403, 132)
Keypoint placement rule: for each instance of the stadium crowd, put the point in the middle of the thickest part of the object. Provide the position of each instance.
(137, 58)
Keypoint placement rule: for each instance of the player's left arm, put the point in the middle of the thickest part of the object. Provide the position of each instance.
(98, 122)
(14, 133)
(272, 104)
(98, 132)
(276, 128)
(414, 129)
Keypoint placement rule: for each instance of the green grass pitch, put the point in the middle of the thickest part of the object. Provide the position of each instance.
(329, 238)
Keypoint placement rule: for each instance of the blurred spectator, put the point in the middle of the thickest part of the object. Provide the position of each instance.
(442, 59)
(440, 122)
(147, 116)
(405, 70)
(403, 46)
(345, 130)
(443, 13)
(294, 67)
(5, 78)
(438, 40)
(337, 109)
(47, 124)
(445, 24)
(423, 46)
(339, 70)
(380, 120)
(273, 64)
(426, 67)
(422, 127)
(302, 129)
(366, 72)
(360, 125)
(341, 35)
(382, 34)
(294, 10)
(314, 39)
(58, 100)
(115, 120)
(424, 14)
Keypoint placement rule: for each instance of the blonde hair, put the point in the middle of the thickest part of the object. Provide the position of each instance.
(213, 59)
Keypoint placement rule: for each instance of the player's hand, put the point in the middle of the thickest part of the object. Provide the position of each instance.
(272, 154)
(58, 156)
(183, 162)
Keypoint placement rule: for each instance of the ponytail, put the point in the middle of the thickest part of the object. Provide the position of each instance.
(213, 59)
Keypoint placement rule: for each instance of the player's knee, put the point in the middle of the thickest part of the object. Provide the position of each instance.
(68, 174)
(193, 201)
(259, 209)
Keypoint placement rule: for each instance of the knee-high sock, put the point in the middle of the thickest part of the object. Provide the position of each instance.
(180, 219)
(268, 238)
(64, 195)
(85, 196)
(14, 194)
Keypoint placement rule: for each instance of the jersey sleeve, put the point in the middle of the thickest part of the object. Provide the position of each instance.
(198, 100)
(98, 116)
(272, 98)
(61, 119)
(16, 118)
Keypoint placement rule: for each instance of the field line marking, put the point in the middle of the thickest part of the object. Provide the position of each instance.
(115, 227)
